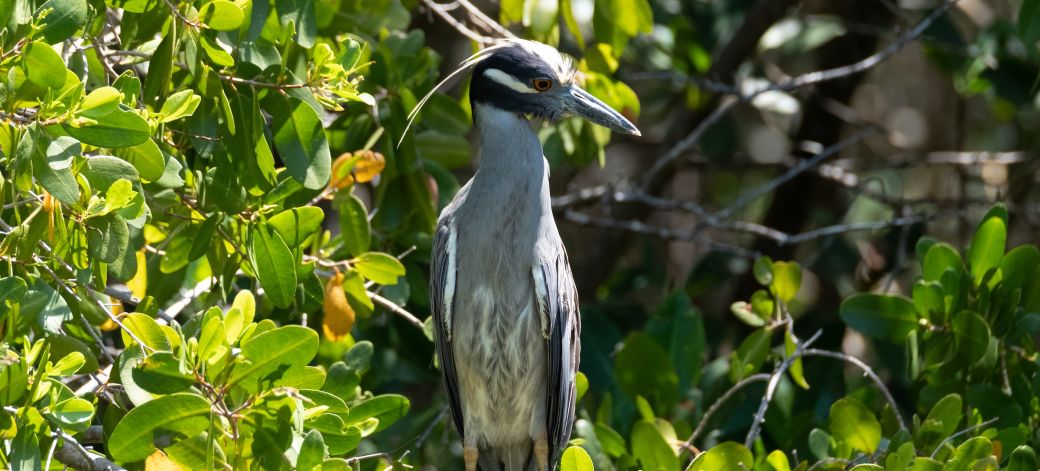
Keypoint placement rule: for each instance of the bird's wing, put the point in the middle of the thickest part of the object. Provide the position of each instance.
(558, 301)
(442, 295)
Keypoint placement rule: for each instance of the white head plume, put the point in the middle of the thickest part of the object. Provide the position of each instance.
(563, 66)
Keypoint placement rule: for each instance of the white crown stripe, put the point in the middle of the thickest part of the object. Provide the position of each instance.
(507, 80)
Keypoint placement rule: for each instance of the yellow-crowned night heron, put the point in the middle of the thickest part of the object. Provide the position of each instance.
(504, 304)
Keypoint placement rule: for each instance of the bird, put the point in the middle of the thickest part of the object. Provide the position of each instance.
(505, 307)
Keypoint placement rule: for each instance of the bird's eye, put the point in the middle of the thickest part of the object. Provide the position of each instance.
(542, 84)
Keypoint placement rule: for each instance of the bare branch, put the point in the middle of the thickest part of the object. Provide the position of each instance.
(962, 433)
(798, 169)
(394, 308)
(73, 455)
(442, 11)
(715, 406)
(812, 352)
(774, 380)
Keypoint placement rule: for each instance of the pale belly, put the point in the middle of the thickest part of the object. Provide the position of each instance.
(501, 365)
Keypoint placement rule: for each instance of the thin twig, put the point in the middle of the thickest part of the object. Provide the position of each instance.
(715, 406)
(774, 380)
(812, 352)
(393, 307)
(962, 433)
(73, 455)
(666, 233)
(442, 12)
(802, 166)
(666, 161)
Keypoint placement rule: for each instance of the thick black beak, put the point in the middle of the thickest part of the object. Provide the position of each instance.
(583, 104)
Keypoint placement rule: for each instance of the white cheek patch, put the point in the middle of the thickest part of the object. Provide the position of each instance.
(507, 80)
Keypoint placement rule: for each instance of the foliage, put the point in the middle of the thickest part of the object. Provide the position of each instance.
(215, 232)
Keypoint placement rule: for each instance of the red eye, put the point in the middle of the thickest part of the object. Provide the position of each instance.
(542, 84)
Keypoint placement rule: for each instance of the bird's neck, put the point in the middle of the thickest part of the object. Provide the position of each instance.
(509, 147)
(512, 177)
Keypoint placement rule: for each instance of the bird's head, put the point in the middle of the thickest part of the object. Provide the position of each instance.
(532, 78)
(529, 77)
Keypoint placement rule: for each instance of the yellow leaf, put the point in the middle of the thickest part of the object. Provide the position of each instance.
(158, 461)
(139, 283)
(369, 166)
(358, 167)
(339, 316)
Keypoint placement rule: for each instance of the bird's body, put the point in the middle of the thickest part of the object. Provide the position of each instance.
(505, 308)
(501, 358)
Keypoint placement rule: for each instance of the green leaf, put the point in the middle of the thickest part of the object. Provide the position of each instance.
(297, 224)
(146, 158)
(1029, 22)
(745, 312)
(942, 420)
(967, 453)
(575, 458)
(212, 343)
(300, 140)
(54, 170)
(651, 448)
(147, 330)
(183, 413)
(611, 441)
(25, 452)
(301, 14)
(62, 345)
(354, 225)
(778, 461)
(851, 423)
(451, 151)
(763, 270)
(445, 116)
(790, 346)
(726, 455)
(1023, 459)
(204, 235)
(121, 128)
(987, 246)
(567, 11)
(749, 356)
(387, 408)
(1019, 267)
(379, 267)
(274, 264)
(64, 19)
(43, 66)
(107, 237)
(312, 451)
(103, 170)
(196, 453)
(160, 69)
(221, 15)
(787, 279)
(939, 258)
(271, 353)
(880, 316)
(971, 335)
(183, 103)
(659, 384)
(163, 373)
(74, 413)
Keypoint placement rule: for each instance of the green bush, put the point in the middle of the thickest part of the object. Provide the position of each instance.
(215, 232)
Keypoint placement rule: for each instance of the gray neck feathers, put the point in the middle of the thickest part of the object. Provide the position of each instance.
(512, 179)
(508, 144)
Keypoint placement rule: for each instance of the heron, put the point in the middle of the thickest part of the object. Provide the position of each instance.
(505, 307)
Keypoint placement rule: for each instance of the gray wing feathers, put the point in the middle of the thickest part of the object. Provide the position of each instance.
(563, 346)
(439, 282)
